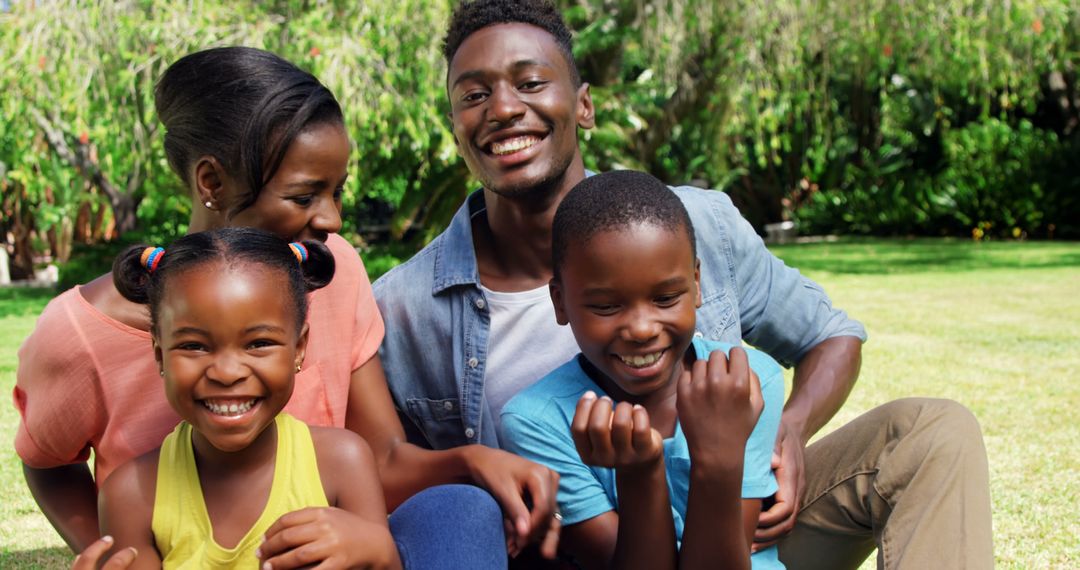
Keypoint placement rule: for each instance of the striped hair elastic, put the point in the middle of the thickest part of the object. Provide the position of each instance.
(151, 257)
(299, 251)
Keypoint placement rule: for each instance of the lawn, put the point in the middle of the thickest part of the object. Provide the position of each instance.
(993, 325)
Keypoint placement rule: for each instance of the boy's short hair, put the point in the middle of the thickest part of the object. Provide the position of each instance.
(613, 201)
(474, 15)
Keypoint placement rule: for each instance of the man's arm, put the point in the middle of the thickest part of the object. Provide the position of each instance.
(823, 379)
(68, 498)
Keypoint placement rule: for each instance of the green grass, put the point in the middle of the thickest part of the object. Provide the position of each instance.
(994, 325)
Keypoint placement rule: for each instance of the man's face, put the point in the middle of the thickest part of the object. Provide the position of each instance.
(515, 108)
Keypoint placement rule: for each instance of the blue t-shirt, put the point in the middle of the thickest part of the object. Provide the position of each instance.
(536, 425)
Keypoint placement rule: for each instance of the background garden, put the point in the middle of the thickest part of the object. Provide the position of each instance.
(957, 120)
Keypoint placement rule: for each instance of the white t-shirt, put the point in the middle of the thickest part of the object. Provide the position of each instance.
(525, 343)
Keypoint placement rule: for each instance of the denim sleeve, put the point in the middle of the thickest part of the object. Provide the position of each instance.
(581, 496)
(782, 312)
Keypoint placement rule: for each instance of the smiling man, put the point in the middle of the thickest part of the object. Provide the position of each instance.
(469, 320)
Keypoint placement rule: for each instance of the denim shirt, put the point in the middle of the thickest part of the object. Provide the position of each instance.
(437, 323)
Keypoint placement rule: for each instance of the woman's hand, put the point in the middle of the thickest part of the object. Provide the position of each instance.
(90, 558)
(329, 537)
(526, 491)
(615, 436)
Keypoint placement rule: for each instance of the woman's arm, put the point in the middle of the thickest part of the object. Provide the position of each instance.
(406, 469)
(68, 498)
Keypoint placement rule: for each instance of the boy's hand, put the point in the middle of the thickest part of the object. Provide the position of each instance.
(622, 437)
(719, 402)
(91, 557)
(328, 537)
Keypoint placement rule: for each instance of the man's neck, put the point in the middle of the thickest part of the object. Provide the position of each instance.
(513, 240)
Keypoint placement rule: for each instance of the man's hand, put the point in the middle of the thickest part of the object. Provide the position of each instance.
(788, 462)
(719, 403)
(91, 557)
(328, 537)
(618, 438)
(526, 491)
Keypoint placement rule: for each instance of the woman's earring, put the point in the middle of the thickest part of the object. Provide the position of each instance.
(209, 205)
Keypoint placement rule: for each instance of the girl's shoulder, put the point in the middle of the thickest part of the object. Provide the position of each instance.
(130, 489)
(340, 455)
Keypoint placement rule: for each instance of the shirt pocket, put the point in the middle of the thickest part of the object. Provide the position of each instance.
(717, 319)
(438, 420)
(309, 402)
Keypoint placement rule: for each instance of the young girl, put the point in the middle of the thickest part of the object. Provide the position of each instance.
(227, 318)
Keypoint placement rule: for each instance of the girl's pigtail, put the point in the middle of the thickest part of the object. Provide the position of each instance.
(130, 275)
(318, 267)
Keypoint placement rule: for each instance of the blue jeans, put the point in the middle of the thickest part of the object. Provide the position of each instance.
(451, 527)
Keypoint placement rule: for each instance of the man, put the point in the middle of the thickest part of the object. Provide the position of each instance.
(469, 322)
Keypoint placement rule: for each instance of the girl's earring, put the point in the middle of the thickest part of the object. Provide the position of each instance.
(161, 373)
(298, 367)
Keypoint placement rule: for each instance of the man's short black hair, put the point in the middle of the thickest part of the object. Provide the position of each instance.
(474, 15)
(613, 201)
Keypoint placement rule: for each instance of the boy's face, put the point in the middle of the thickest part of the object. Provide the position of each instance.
(515, 109)
(629, 295)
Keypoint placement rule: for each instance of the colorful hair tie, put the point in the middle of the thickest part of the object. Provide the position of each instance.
(151, 257)
(299, 251)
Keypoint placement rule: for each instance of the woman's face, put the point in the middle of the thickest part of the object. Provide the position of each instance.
(303, 199)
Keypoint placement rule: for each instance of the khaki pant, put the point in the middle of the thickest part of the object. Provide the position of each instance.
(910, 478)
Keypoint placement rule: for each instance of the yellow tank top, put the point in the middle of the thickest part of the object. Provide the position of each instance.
(180, 523)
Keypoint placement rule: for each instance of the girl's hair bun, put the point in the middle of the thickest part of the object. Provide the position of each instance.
(318, 269)
(130, 276)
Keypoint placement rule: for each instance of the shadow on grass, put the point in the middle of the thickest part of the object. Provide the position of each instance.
(55, 557)
(23, 301)
(892, 256)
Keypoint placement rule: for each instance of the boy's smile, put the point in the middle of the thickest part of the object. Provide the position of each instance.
(630, 295)
(228, 343)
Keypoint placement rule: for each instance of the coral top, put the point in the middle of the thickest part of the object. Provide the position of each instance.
(86, 381)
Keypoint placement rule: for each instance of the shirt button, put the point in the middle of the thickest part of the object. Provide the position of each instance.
(473, 362)
(448, 405)
(469, 433)
(480, 304)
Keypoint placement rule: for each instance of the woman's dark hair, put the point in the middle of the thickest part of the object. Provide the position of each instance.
(232, 246)
(243, 106)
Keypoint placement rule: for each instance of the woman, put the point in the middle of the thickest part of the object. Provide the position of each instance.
(258, 143)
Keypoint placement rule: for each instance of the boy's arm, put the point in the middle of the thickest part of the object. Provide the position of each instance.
(126, 509)
(353, 530)
(719, 403)
(642, 534)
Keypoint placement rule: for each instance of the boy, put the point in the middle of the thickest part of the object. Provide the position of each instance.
(652, 469)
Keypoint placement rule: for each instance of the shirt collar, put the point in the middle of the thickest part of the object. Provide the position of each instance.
(455, 262)
(455, 259)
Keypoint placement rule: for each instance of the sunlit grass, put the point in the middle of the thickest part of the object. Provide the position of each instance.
(995, 326)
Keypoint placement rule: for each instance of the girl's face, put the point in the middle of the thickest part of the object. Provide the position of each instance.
(228, 344)
(303, 199)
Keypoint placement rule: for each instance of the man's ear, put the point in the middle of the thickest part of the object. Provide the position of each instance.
(586, 114)
(209, 177)
(301, 345)
(555, 289)
(697, 282)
